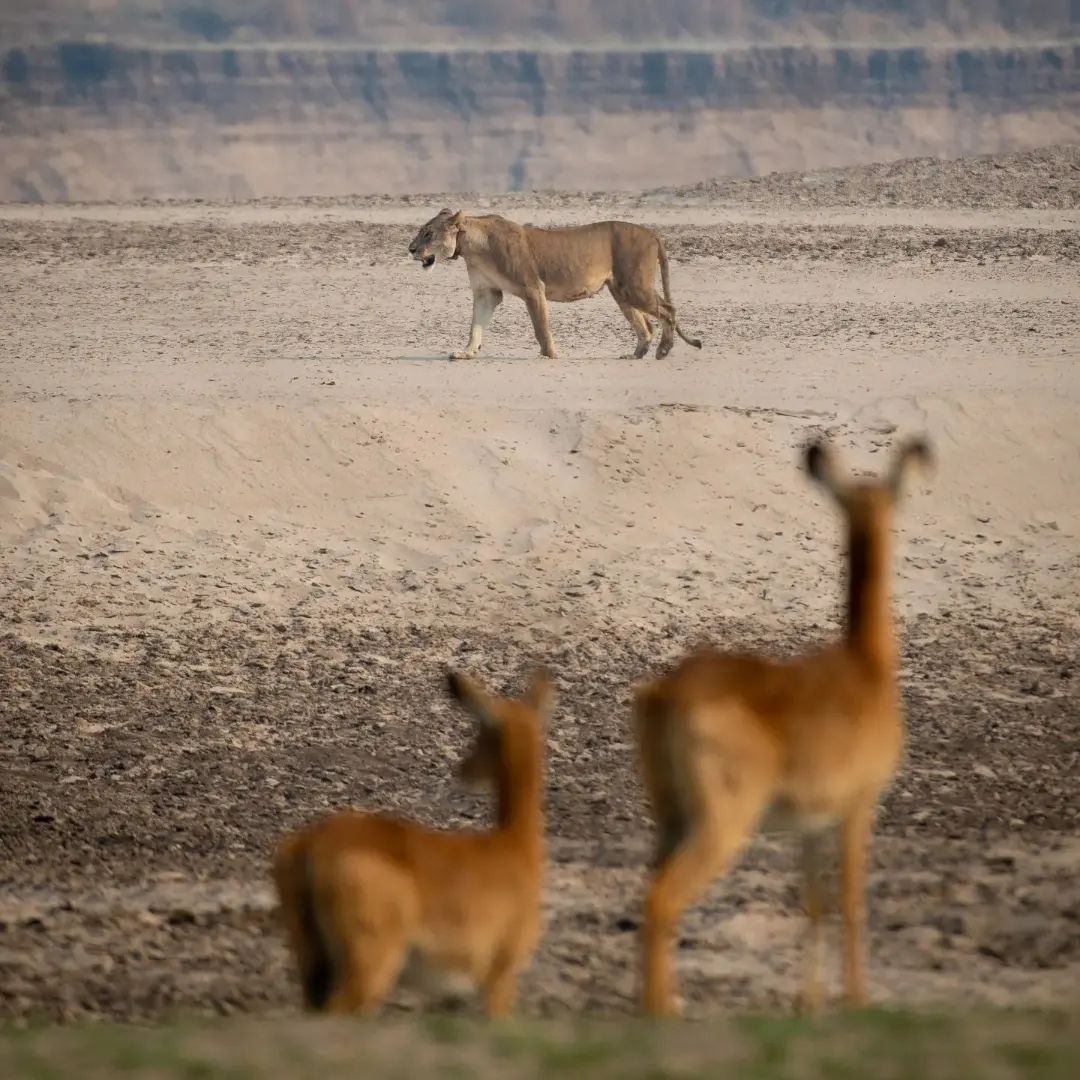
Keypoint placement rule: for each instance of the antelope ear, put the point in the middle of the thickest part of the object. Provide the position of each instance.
(457, 218)
(541, 693)
(445, 212)
(821, 465)
(471, 696)
(914, 452)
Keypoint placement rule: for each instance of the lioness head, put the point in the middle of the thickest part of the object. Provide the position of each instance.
(437, 239)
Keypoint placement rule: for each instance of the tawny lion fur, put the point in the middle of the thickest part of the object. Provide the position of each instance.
(367, 897)
(730, 743)
(542, 266)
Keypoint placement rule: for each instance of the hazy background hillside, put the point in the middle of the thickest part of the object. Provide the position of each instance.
(404, 22)
(115, 99)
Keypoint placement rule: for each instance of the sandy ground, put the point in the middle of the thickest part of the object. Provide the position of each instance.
(248, 510)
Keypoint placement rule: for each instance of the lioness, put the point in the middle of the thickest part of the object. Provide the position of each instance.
(567, 264)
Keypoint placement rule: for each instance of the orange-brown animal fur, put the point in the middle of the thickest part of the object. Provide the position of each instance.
(362, 893)
(731, 743)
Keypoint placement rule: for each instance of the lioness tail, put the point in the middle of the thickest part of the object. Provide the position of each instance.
(665, 279)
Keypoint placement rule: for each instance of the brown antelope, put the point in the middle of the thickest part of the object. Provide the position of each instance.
(363, 893)
(732, 743)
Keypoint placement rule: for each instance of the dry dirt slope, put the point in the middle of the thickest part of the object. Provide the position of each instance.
(1047, 178)
(248, 512)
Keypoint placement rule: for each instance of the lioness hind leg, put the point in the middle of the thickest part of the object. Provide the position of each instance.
(639, 322)
(650, 304)
(666, 314)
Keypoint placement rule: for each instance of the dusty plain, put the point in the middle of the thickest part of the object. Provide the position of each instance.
(249, 511)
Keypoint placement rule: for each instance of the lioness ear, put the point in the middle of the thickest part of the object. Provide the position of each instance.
(457, 218)
(445, 212)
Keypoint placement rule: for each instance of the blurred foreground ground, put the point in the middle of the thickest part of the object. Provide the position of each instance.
(248, 511)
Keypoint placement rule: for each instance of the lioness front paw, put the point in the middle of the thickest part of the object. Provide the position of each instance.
(462, 355)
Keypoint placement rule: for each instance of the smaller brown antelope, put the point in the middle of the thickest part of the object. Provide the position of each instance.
(362, 893)
(732, 743)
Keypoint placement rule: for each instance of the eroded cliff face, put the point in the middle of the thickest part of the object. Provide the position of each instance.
(93, 121)
(492, 23)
